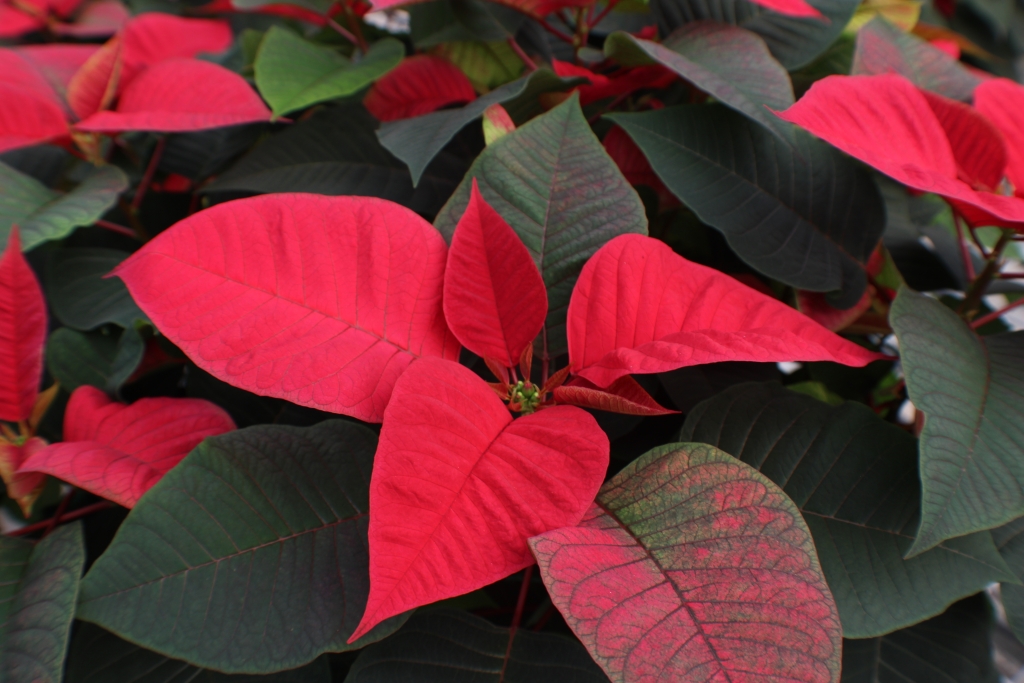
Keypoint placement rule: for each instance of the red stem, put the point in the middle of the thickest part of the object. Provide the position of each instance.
(1010, 276)
(555, 32)
(611, 5)
(995, 315)
(69, 517)
(147, 178)
(965, 253)
(61, 509)
(114, 227)
(344, 32)
(517, 617)
(521, 53)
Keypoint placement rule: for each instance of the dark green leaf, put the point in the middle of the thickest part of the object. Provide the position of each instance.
(38, 589)
(883, 48)
(1009, 540)
(730, 64)
(198, 155)
(563, 195)
(250, 556)
(43, 162)
(79, 294)
(794, 41)
(292, 73)
(433, 23)
(417, 140)
(487, 65)
(98, 656)
(955, 647)
(808, 215)
(854, 478)
(43, 214)
(98, 359)
(445, 645)
(336, 152)
(969, 390)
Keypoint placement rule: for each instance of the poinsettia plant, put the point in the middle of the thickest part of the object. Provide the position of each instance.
(510, 341)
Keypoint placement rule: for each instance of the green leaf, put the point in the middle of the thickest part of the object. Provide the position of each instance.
(38, 590)
(806, 215)
(418, 140)
(336, 152)
(43, 214)
(250, 556)
(98, 656)
(883, 48)
(486, 65)
(955, 647)
(445, 21)
(292, 73)
(446, 645)
(79, 294)
(98, 359)
(969, 390)
(729, 63)
(794, 41)
(563, 195)
(1009, 540)
(200, 154)
(854, 478)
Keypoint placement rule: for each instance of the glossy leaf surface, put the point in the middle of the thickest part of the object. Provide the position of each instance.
(640, 308)
(329, 322)
(257, 508)
(458, 486)
(692, 566)
(444, 645)
(80, 295)
(22, 333)
(854, 478)
(494, 298)
(419, 85)
(563, 195)
(119, 451)
(968, 389)
(727, 62)
(38, 589)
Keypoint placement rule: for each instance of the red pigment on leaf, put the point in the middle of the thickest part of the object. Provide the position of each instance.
(624, 395)
(419, 85)
(22, 333)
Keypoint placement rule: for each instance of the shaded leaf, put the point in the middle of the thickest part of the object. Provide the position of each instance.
(854, 478)
(321, 324)
(80, 295)
(200, 154)
(692, 566)
(98, 359)
(38, 589)
(245, 512)
(533, 8)
(419, 85)
(689, 386)
(292, 73)
(444, 645)
(22, 333)
(727, 62)
(43, 214)
(804, 215)
(969, 391)
(98, 656)
(487, 65)
(459, 486)
(23, 489)
(563, 195)
(1009, 539)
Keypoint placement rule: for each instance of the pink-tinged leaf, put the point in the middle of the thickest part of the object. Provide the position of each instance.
(624, 395)
(634, 165)
(15, 23)
(639, 308)
(20, 73)
(494, 298)
(57, 63)
(887, 123)
(949, 47)
(153, 37)
(120, 451)
(624, 82)
(98, 19)
(458, 487)
(93, 86)
(692, 566)
(977, 145)
(791, 8)
(180, 95)
(1001, 101)
(419, 85)
(26, 119)
(25, 487)
(323, 301)
(537, 9)
(22, 333)
(815, 306)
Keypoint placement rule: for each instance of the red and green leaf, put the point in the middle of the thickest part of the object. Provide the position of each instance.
(22, 333)
(419, 85)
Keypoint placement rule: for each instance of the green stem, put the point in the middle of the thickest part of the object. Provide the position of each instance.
(972, 300)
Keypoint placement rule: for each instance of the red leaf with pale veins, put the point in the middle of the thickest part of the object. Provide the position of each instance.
(180, 95)
(495, 301)
(419, 85)
(22, 333)
(1001, 101)
(977, 146)
(624, 395)
(120, 451)
(458, 486)
(323, 301)
(153, 37)
(639, 308)
(691, 566)
(887, 123)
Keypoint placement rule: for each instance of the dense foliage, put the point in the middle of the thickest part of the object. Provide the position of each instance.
(510, 342)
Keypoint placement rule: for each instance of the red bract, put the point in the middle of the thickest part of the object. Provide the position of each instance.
(458, 487)
(887, 123)
(94, 19)
(640, 308)
(535, 8)
(635, 167)
(419, 85)
(494, 298)
(792, 8)
(1001, 101)
(623, 82)
(120, 451)
(624, 395)
(22, 333)
(323, 301)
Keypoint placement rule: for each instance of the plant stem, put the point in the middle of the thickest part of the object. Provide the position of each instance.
(995, 315)
(521, 53)
(608, 8)
(965, 253)
(565, 37)
(343, 32)
(517, 617)
(61, 509)
(69, 517)
(114, 227)
(969, 306)
(147, 178)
